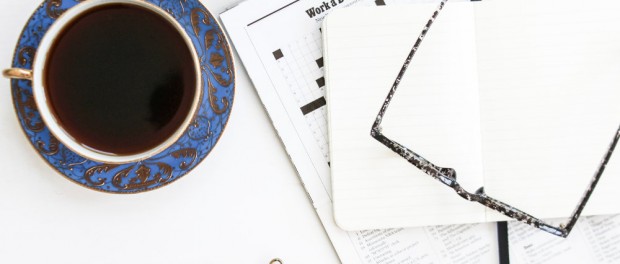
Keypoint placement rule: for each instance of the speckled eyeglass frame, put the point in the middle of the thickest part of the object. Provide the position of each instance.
(447, 176)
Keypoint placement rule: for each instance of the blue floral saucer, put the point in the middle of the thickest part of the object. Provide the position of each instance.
(218, 80)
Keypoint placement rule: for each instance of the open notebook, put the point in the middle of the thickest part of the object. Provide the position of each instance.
(519, 96)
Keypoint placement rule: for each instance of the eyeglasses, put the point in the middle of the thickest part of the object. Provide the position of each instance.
(447, 176)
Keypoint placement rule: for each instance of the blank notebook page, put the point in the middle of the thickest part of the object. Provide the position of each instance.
(549, 74)
(365, 49)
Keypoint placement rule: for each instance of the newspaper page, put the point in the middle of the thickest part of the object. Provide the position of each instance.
(279, 43)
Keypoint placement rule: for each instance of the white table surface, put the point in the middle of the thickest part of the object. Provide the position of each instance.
(243, 204)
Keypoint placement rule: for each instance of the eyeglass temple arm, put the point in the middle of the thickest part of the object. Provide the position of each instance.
(403, 69)
(594, 181)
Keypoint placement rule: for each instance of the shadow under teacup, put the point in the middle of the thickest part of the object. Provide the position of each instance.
(116, 81)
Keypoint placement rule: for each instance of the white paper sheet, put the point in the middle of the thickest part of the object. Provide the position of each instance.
(595, 239)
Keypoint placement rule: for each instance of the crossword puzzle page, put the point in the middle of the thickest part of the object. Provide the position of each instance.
(300, 63)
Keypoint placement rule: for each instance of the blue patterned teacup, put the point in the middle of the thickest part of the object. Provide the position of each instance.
(207, 64)
(39, 76)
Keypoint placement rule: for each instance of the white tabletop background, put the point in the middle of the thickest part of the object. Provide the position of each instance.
(243, 204)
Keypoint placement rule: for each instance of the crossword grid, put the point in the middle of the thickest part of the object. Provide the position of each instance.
(301, 65)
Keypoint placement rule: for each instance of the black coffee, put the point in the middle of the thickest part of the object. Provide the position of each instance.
(120, 79)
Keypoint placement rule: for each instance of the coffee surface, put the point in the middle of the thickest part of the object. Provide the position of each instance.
(120, 79)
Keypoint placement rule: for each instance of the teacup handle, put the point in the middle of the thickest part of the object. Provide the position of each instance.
(17, 73)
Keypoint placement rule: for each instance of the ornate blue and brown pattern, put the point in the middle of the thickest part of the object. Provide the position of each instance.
(218, 82)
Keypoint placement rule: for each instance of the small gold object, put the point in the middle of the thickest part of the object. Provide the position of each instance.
(276, 261)
(16, 73)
